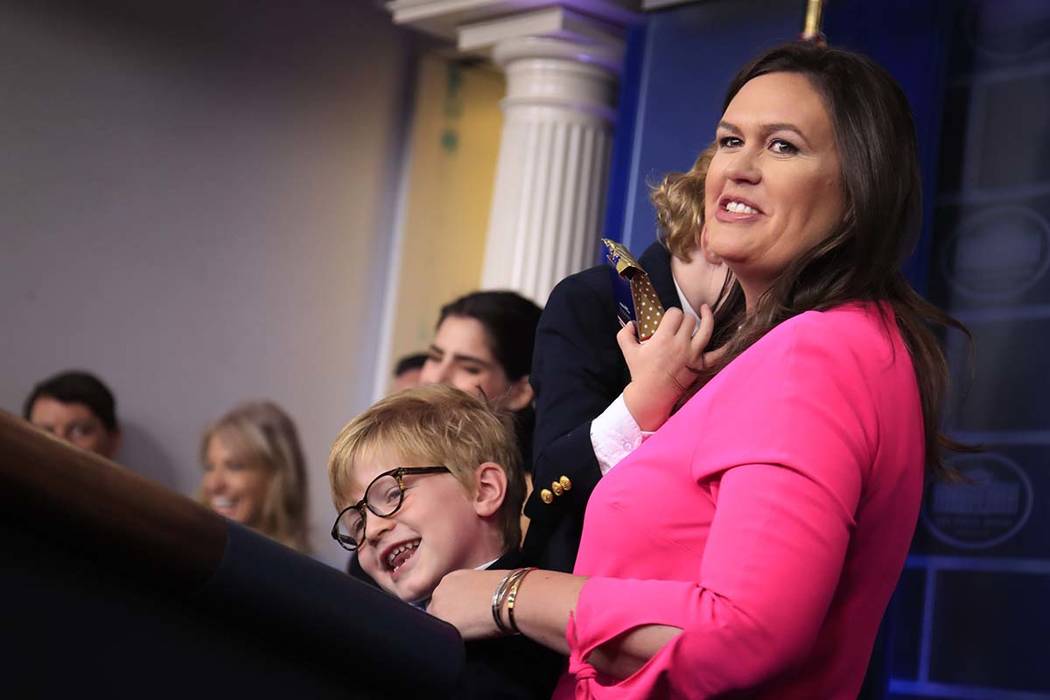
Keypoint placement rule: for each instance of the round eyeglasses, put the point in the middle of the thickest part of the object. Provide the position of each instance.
(383, 497)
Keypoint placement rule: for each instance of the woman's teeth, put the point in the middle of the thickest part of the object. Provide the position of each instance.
(221, 502)
(740, 208)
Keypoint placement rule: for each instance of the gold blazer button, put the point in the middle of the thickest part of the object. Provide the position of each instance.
(566, 485)
(546, 496)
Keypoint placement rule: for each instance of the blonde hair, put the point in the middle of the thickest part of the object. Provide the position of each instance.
(679, 203)
(435, 425)
(261, 434)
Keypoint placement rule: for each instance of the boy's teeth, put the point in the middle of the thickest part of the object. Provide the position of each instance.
(390, 558)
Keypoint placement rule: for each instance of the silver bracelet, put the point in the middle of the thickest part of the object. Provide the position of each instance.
(497, 602)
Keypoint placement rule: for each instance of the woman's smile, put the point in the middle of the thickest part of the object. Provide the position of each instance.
(733, 209)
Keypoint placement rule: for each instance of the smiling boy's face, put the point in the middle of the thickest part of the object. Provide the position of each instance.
(438, 528)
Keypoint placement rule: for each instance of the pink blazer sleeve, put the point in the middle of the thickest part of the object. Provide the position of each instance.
(787, 446)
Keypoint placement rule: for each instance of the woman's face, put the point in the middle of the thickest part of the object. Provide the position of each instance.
(774, 188)
(231, 486)
(460, 356)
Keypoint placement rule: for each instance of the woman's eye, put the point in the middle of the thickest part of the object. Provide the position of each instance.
(783, 147)
(729, 142)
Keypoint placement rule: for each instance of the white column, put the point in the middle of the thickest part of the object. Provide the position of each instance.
(549, 195)
(562, 59)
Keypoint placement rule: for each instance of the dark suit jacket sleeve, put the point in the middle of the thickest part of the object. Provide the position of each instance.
(577, 372)
(509, 668)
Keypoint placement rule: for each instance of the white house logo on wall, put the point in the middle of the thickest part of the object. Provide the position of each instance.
(998, 253)
(988, 508)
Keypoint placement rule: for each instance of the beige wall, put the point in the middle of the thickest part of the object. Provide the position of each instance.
(196, 204)
(454, 144)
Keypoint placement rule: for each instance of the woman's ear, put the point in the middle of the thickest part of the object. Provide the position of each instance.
(490, 488)
(519, 395)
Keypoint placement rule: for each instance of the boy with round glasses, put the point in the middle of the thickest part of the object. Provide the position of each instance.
(427, 482)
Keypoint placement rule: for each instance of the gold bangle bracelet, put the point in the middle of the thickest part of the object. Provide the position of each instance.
(498, 598)
(512, 596)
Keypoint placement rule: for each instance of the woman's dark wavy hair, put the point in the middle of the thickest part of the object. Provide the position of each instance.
(861, 259)
(510, 322)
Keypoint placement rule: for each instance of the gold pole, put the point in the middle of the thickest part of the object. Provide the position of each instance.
(811, 29)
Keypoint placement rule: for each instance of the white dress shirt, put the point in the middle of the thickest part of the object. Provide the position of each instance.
(615, 433)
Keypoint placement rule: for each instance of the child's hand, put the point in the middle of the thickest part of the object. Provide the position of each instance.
(464, 599)
(663, 367)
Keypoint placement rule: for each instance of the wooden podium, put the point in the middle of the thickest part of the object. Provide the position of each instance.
(116, 587)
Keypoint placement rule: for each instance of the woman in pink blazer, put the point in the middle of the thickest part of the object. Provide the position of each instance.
(752, 543)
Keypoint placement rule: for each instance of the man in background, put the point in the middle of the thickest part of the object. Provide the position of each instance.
(406, 373)
(78, 408)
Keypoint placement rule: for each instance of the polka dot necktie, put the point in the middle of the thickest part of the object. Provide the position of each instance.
(647, 307)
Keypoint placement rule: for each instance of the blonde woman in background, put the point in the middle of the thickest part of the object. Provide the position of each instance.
(255, 474)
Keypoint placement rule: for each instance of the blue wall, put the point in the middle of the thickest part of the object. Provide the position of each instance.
(682, 67)
(680, 62)
(971, 618)
(980, 568)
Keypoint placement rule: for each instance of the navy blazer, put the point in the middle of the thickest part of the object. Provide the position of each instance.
(509, 668)
(577, 371)
(503, 668)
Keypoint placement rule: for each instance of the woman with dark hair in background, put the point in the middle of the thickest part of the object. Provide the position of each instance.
(751, 545)
(255, 473)
(483, 345)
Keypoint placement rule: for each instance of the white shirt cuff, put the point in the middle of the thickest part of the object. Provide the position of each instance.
(615, 434)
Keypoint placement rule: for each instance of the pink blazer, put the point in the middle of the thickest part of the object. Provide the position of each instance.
(768, 519)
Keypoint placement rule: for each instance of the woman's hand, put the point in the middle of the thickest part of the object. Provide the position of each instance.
(663, 367)
(545, 601)
(464, 599)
